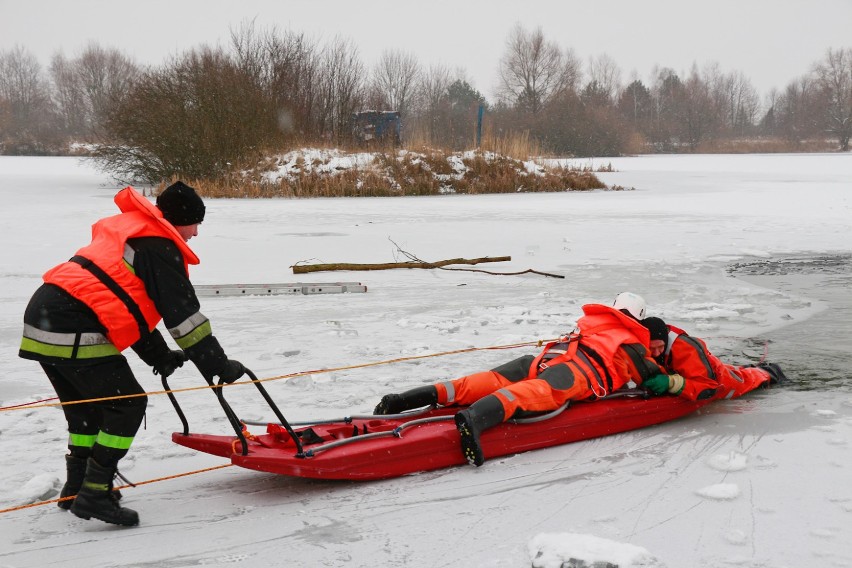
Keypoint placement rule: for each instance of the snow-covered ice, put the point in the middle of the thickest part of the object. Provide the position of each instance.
(759, 481)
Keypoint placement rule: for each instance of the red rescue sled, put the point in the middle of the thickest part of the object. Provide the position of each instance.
(377, 447)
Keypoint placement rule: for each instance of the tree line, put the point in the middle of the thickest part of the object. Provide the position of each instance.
(210, 110)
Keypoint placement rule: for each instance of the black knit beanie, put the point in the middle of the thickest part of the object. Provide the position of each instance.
(658, 328)
(181, 205)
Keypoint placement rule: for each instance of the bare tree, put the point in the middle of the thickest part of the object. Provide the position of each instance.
(431, 100)
(29, 121)
(697, 113)
(286, 65)
(734, 99)
(341, 89)
(68, 97)
(669, 96)
(605, 73)
(394, 80)
(796, 110)
(834, 77)
(87, 87)
(533, 70)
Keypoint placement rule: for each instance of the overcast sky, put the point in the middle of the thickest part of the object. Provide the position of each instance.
(771, 41)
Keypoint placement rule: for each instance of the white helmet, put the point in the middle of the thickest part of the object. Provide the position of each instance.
(633, 303)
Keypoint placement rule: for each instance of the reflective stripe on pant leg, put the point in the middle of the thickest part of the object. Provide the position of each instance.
(446, 393)
(533, 395)
(114, 442)
(81, 440)
(471, 388)
(117, 420)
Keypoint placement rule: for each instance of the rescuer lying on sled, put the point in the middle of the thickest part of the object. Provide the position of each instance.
(609, 349)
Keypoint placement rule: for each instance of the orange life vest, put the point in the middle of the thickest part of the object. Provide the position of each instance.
(106, 255)
(603, 329)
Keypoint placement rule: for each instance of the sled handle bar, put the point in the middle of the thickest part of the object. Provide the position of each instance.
(232, 417)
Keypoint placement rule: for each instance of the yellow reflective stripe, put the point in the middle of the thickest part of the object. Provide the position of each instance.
(66, 351)
(82, 440)
(187, 326)
(115, 442)
(195, 335)
(54, 338)
(100, 487)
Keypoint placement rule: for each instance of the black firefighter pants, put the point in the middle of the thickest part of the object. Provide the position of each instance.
(103, 430)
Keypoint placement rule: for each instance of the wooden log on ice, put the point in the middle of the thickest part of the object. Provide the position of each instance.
(306, 268)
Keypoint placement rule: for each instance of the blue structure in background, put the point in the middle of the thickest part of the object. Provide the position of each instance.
(377, 126)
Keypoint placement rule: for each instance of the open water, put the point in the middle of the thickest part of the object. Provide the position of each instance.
(815, 353)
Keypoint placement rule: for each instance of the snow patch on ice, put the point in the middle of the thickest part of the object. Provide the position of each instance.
(571, 549)
(39, 488)
(720, 491)
(736, 536)
(733, 461)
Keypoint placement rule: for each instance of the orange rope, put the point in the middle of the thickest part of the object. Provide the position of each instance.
(38, 504)
(248, 435)
(538, 343)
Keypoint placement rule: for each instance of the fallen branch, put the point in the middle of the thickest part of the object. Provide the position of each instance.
(527, 271)
(306, 268)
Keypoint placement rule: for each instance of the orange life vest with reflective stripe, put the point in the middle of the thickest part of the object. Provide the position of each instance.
(138, 218)
(602, 329)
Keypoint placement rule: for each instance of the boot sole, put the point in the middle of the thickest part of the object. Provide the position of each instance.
(88, 516)
(471, 450)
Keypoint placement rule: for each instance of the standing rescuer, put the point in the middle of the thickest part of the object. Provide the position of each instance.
(110, 296)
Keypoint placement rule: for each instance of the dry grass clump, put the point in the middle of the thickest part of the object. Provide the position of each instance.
(430, 172)
(500, 174)
(517, 145)
(765, 146)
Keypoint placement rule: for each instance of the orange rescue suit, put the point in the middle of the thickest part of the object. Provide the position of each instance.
(609, 350)
(705, 375)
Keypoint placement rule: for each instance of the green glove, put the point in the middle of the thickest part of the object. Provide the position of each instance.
(661, 384)
(657, 384)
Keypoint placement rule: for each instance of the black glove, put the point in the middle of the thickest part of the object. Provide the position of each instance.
(233, 370)
(167, 364)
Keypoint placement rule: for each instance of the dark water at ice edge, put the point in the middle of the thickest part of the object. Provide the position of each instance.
(815, 353)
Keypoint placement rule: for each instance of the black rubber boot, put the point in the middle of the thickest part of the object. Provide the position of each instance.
(776, 375)
(95, 498)
(472, 421)
(76, 468)
(414, 398)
